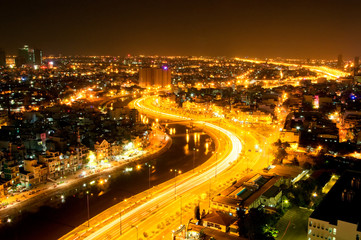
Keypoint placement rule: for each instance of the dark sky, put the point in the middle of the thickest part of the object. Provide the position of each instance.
(254, 28)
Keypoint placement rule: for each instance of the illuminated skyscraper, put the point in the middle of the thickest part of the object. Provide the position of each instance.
(154, 77)
(339, 61)
(2, 58)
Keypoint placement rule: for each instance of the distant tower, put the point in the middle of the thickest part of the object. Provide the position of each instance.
(154, 77)
(38, 54)
(2, 58)
(356, 65)
(339, 61)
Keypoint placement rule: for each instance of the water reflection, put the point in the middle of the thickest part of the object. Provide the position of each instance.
(59, 215)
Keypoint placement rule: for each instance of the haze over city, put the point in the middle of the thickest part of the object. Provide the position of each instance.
(264, 29)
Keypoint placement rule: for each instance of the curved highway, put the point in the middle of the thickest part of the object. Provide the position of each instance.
(137, 211)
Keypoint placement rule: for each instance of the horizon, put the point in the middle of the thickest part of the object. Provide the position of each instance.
(262, 29)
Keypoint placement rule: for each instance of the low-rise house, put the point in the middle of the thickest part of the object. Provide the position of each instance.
(218, 220)
(32, 173)
(52, 161)
(102, 150)
(249, 192)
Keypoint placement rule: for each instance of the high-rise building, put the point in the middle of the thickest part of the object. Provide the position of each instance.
(23, 56)
(356, 65)
(38, 57)
(339, 61)
(26, 56)
(2, 58)
(154, 77)
(338, 216)
(31, 58)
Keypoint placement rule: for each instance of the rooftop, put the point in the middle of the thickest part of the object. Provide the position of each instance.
(219, 218)
(213, 233)
(247, 189)
(272, 192)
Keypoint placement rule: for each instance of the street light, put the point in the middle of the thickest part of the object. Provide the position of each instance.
(149, 167)
(209, 194)
(87, 204)
(194, 156)
(181, 209)
(283, 201)
(175, 180)
(215, 172)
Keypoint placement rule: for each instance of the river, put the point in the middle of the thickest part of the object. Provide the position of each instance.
(62, 212)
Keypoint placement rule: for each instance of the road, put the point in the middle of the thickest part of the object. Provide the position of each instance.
(170, 204)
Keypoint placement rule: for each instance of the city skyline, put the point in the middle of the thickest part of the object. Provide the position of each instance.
(196, 120)
(210, 28)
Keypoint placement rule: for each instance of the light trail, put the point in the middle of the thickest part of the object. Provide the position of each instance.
(166, 196)
(334, 73)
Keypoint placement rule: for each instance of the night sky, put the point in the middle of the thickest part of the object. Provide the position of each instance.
(253, 28)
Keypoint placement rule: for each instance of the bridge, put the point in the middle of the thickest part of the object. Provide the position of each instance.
(186, 121)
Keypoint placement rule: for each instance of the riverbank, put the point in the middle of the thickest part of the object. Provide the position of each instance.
(161, 143)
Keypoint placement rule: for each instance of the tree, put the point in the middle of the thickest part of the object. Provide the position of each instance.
(254, 222)
(307, 165)
(295, 162)
(280, 153)
(197, 213)
(241, 222)
(301, 193)
(202, 235)
(203, 213)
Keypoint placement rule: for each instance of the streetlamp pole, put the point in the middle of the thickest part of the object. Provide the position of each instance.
(209, 195)
(175, 183)
(181, 209)
(149, 176)
(87, 203)
(175, 180)
(137, 230)
(120, 222)
(215, 174)
(194, 157)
